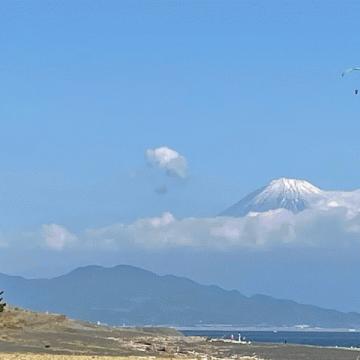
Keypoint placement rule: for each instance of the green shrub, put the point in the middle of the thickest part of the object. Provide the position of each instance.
(2, 304)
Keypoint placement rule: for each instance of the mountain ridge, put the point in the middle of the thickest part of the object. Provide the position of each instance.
(131, 295)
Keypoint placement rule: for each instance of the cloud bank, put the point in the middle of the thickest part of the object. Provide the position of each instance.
(331, 228)
(169, 160)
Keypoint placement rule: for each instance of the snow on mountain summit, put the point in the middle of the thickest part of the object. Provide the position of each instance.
(291, 194)
(292, 187)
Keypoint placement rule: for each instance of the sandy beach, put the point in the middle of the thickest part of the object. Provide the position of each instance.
(27, 335)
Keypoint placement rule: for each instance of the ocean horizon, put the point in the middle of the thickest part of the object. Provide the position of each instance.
(348, 339)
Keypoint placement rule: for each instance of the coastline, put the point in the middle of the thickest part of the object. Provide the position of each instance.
(263, 328)
(251, 352)
(28, 335)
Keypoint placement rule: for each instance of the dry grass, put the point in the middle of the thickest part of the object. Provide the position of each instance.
(64, 357)
(87, 357)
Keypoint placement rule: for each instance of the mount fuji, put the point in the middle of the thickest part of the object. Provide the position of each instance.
(293, 195)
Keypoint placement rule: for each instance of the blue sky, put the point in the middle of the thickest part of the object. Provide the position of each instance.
(246, 91)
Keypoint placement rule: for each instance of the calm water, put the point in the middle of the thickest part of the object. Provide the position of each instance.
(343, 339)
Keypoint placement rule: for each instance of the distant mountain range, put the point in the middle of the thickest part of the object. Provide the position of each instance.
(294, 195)
(133, 296)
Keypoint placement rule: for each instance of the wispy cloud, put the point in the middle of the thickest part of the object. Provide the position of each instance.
(3, 242)
(161, 190)
(57, 237)
(169, 160)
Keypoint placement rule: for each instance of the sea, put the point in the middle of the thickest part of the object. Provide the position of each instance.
(317, 338)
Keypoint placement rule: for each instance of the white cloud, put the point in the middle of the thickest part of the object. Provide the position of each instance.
(169, 160)
(335, 227)
(331, 228)
(57, 237)
(164, 220)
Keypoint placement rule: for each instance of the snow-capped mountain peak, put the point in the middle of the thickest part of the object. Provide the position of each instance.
(291, 194)
(291, 187)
